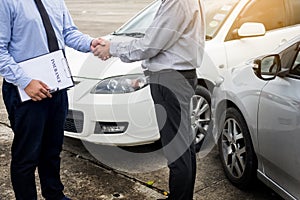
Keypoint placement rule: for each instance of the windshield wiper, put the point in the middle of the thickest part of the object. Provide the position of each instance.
(140, 35)
(134, 34)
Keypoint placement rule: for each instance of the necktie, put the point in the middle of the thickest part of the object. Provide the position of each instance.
(51, 37)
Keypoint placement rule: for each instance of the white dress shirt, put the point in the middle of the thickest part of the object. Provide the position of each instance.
(174, 40)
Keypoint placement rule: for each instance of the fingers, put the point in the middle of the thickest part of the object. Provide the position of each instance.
(98, 41)
(102, 41)
(38, 97)
(95, 43)
(102, 51)
(45, 90)
(100, 48)
(37, 90)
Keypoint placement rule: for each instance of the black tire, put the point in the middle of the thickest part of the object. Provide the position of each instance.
(201, 128)
(241, 165)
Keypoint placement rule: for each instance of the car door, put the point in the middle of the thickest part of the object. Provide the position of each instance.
(279, 125)
(275, 19)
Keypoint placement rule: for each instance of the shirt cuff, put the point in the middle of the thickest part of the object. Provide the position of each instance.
(90, 44)
(23, 82)
(85, 45)
(113, 49)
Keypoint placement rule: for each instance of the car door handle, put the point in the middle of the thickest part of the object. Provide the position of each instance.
(221, 66)
(283, 41)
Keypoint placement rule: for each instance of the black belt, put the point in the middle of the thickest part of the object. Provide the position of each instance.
(183, 72)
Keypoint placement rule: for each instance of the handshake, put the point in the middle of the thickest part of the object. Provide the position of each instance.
(100, 48)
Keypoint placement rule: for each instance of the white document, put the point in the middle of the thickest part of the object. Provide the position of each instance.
(52, 69)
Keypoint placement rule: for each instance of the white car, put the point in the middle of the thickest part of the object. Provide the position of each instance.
(104, 106)
(256, 111)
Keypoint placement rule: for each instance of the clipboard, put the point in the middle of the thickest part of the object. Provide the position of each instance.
(52, 69)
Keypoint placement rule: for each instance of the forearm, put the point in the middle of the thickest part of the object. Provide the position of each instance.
(77, 40)
(131, 51)
(11, 71)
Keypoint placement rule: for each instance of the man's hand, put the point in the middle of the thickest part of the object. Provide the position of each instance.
(37, 90)
(102, 50)
(96, 42)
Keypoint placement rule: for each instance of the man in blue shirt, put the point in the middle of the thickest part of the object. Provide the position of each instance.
(37, 124)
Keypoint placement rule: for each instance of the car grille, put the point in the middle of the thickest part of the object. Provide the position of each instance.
(74, 121)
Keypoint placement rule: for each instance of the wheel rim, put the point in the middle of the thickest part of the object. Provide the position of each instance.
(233, 148)
(200, 117)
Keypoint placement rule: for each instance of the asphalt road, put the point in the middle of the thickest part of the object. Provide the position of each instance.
(87, 170)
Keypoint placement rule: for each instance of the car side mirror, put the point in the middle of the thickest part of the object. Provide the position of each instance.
(251, 29)
(267, 67)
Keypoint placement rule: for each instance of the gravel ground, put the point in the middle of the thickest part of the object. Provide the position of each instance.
(5, 143)
(82, 178)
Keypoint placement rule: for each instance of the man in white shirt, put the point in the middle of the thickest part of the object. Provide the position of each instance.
(171, 50)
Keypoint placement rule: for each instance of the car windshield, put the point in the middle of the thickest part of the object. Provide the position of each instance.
(216, 11)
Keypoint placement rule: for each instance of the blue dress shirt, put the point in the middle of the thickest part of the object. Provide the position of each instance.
(23, 36)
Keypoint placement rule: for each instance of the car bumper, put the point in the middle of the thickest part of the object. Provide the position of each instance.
(111, 119)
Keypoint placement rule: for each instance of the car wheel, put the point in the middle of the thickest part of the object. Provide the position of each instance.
(200, 115)
(236, 150)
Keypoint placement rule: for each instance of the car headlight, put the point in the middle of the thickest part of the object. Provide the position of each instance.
(121, 84)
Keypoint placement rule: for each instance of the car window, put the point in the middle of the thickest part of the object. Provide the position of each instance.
(294, 14)
(270, 13)
(288, 56)
(296, 67)
(216, 13)
(142, 21)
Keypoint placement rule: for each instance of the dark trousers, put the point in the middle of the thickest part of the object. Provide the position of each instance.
(38, 138)
(171, 92)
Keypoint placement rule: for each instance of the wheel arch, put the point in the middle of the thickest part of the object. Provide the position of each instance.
(207, 84)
